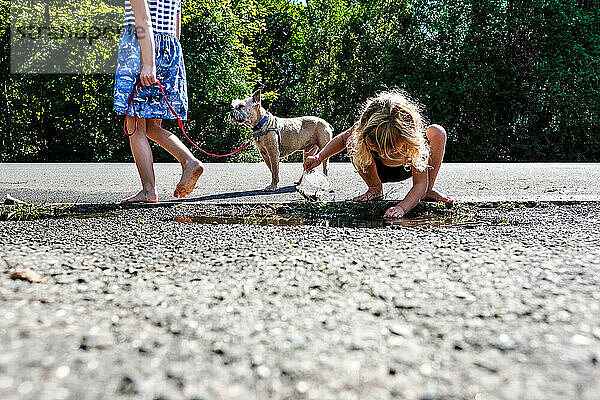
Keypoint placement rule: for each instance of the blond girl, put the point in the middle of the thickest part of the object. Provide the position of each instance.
(389, 144)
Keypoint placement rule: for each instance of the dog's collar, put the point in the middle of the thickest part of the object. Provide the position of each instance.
(262, 122)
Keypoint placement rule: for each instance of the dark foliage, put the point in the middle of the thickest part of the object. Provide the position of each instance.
(511, 80)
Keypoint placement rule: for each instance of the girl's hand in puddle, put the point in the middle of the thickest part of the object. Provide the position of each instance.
(394, 212)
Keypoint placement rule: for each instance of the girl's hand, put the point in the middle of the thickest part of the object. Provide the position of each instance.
(311, 163)
(148, 75)
(394, 212)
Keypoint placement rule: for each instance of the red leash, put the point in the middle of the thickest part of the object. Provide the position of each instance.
(179, 121)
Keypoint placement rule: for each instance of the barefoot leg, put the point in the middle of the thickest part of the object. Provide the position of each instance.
(192, 168)
(375, 188)
(437, 143)
(142, 154)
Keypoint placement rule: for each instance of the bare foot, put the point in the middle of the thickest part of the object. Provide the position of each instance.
(434, 195)
(371, 194)
(191, 172)
(142, 197)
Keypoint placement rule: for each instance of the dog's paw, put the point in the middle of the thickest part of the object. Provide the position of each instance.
(270, 188)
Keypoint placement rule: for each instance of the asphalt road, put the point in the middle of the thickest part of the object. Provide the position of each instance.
(228, 183)
(134, 305)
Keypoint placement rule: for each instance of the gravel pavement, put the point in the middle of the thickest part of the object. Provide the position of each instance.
(132, 304)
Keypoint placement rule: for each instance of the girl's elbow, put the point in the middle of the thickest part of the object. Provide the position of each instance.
(143, 21)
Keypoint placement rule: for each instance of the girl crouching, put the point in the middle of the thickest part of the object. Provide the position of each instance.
(390, 144)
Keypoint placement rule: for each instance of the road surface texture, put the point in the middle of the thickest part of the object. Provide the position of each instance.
(134, 304)
(229, 183)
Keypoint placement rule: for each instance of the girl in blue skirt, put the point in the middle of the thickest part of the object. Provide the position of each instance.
(149, 50)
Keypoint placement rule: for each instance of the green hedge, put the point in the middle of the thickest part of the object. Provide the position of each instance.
(510, 80)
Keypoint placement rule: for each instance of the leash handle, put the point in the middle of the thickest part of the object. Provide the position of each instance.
(179, 121)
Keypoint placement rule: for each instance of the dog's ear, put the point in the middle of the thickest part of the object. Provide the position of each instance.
(256, 98)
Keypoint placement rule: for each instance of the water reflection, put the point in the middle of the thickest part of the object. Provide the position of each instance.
(426, 219)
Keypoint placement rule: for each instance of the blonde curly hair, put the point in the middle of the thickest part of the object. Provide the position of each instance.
(391, 123)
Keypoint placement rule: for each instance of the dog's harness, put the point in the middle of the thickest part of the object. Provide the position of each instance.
(258, 130)
(136, 87)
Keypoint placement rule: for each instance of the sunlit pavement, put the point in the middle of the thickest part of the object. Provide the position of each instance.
(242, 183)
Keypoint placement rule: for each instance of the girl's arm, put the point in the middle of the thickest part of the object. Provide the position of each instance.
(414, 195)
(334, 146)
(143, 27)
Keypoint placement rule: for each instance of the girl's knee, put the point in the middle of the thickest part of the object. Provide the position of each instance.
(437, 131)
(153, 127)
(139, 129)
(150, 131)
(140, 132)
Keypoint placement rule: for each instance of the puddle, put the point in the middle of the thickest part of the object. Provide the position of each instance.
(278, 220)
(425, 220)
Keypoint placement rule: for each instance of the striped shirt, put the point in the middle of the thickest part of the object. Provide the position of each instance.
(163, 14)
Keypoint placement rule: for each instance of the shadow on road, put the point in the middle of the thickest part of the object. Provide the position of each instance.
(232, 195)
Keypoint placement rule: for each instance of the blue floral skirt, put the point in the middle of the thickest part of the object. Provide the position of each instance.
(170, 71)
